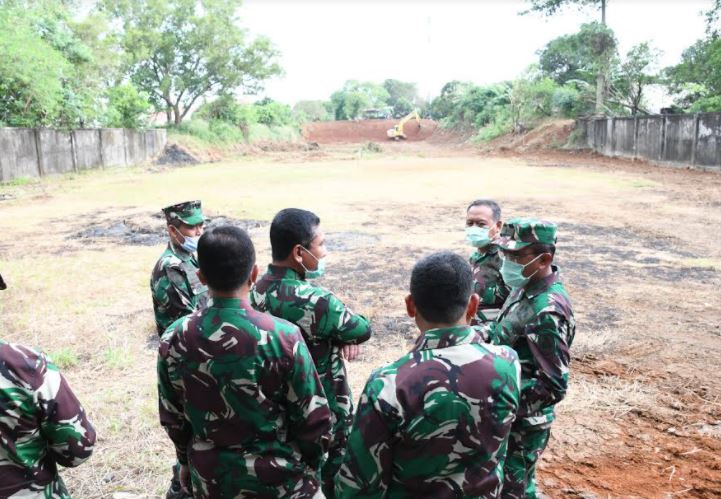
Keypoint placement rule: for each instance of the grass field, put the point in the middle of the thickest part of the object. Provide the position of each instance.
(637, 246)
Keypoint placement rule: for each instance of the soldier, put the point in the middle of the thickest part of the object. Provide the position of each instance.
(42, 424)
(330, 328)
(239, 395)
(435, 423)
(483, 223)
(174, 284)
(537, 322)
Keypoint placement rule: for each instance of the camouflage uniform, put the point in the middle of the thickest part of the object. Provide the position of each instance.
(537, 322)
(327, 324)
(175, 286)
(242, 402)
(42, 425)
(488, 283)
(435, 423)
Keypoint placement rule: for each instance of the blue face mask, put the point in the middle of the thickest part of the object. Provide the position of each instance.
(478, 237)
(319, 271)
(190, 244)
(512, 273)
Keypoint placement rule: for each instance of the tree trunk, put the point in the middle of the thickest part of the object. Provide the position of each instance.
(601, 77)
(168, 115)
(176, 113)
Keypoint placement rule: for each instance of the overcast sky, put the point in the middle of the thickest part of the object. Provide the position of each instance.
(324, 43)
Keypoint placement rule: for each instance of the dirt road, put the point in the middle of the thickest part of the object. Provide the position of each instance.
(637, 246)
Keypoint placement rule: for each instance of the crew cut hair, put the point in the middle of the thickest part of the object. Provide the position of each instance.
(226, 256)
(291, 226)
(495, 208)
(441, 285)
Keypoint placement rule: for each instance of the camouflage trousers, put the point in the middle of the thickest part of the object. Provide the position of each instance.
(330, 468)
(525, 446)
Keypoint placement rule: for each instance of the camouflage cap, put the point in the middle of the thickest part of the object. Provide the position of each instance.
(2, 283)
(188, 212)
(518, 233)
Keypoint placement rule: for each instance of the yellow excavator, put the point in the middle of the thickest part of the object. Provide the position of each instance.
(396, 133)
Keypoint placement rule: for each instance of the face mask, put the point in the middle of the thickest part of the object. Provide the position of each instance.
(189, 244)
(512, 272)
(477, 236)
(314, 274)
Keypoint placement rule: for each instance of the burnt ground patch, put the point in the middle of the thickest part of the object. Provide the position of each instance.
(149, 229)
(347, 241)
(596, 254)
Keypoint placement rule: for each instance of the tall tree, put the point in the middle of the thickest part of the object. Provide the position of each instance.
(181, 50)
(638, 70)
(402, 96)
(550, 7)
(696, 80)
(713, 19)
(349, 101)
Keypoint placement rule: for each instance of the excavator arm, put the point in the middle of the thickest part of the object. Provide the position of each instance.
(396, 132)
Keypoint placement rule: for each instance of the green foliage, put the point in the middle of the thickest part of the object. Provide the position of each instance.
(402, 96)
(709, 104)
(578, 56)
(638, 70)
(550, 7)
(64, 358)
(348, 102)
(273, 113)
(696, 80)
(312, 110)
(127, 108)
(117, 358)
(181, 50)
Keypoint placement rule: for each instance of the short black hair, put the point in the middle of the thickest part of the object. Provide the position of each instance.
(226, 256)
(441, 285)
(291, 226)
(540, 248)
(495, 208)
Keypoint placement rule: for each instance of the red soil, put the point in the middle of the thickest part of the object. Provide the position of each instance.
(328, 132)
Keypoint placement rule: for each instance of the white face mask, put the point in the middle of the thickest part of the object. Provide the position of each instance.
(478, 236)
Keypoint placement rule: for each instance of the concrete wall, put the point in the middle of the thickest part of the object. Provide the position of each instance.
(26, 152)
(681, 139)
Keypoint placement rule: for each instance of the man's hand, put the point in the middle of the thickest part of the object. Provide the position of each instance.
(350, 352)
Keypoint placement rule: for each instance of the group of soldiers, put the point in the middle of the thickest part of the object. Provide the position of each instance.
(252, 378)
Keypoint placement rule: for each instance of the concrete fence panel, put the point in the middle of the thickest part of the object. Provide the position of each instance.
(134, 146)
(56, 151)
(88, 153)
(650, 138)
(683, 139)
(708, 142)
(679, 138)
(18, 154)
(113, 142)
(624, 137)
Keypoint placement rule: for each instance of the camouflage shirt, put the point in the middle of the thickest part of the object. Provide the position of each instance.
(242, 402)
(488, 283)
(175, 286)
(435, 423)
(42, 425)
(537, 322)
(327, 324)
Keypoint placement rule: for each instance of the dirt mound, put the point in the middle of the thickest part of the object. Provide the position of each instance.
(328, 132)
(173, 154)
(549, 135)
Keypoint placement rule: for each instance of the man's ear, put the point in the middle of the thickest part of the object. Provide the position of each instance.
(254, 274)
(472, 308)
(297, 253)
(201, 277)
(410, 306)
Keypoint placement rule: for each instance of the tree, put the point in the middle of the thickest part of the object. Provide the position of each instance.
(550, 7)
(402, 96)
(312, 110)
(127, 108)
(181, 50)
(696, 80)
(713, 19)
(638, 70)
(355, 96)
(451, 94)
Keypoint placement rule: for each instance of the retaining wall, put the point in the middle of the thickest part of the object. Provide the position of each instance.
(26, 152)
(679, 139)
